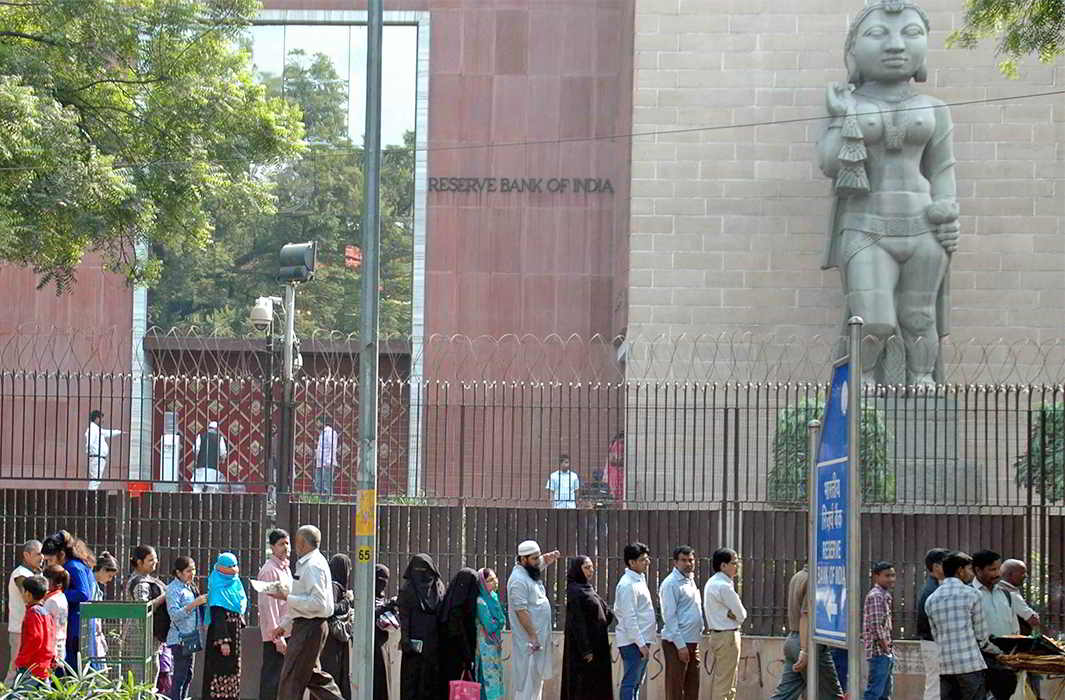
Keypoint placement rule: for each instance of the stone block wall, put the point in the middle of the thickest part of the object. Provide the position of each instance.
(729, 210)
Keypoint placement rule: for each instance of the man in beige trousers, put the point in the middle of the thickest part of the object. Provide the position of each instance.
(724, 615)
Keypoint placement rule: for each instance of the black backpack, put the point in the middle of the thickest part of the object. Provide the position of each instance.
(160, 616)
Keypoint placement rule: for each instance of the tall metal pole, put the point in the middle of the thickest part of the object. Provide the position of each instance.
(287, 459)
(855, 653)
(813, 444)
(366, 482)
(290, 329)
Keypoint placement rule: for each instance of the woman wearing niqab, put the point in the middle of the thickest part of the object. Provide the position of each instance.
(420, 599)
(336, 654)
(458, 625)
(385, 620)
(586, 671)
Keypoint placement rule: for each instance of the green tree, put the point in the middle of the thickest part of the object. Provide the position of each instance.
(319, 197)
(129, 122)
(1042, 467)
(788, 475)
(1023, 28)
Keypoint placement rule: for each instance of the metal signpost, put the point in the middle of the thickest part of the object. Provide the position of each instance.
(835, 510)
(365, 525)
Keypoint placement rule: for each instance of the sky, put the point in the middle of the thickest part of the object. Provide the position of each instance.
(346, 46)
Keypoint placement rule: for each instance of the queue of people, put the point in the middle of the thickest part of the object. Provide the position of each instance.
(455, 632)
(305, 618)
(438, 623)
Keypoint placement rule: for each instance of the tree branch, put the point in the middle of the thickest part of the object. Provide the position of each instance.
(147, 81)
(31, 37)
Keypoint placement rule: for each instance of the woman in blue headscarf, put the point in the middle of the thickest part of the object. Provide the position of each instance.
(490, 622)
(226, 604)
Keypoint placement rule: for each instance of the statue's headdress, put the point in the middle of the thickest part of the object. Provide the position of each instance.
(891, 7)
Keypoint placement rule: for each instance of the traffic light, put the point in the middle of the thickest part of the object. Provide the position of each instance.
(298, 261)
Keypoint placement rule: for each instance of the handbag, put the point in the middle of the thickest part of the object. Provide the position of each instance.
(464, 689)
(191, 642)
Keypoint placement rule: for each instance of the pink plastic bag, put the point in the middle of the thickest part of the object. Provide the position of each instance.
(464, 689)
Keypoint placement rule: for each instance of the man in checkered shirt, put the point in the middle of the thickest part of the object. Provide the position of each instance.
(876, 632)
(958, 626)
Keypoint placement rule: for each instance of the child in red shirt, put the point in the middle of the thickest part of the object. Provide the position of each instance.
(37, 651)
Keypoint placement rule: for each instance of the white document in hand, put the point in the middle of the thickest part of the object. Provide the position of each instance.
(268, 586)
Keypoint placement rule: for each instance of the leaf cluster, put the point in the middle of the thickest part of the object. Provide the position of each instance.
(788, 475)
(128, 124)
(1023, 28)
(1042, 467)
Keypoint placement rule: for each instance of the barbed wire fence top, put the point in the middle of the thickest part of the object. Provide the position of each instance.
(739, 356)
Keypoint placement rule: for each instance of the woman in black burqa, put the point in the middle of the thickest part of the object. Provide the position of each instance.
(419, 601)
(336, 654)
(586, 671)
(385, 620)
(458, 626)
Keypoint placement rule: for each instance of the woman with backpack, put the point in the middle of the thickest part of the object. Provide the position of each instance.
(336, 655)
(182, 604)
(146, 587)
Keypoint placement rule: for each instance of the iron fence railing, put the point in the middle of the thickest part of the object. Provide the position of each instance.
(497, 442)
(771, 541)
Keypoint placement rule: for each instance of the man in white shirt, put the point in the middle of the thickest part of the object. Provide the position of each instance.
(563, 485)
(310, 604)
(30, 561)
(96, 448)
(1013, 572)
(724, 615)
(325, 456)
(635, 613)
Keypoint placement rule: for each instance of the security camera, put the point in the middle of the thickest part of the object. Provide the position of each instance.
(262, 314)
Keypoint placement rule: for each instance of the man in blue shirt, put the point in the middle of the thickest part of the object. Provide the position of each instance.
(682, 628)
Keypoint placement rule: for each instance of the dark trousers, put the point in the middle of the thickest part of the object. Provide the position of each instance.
(303, 669)
(1001, 682)
(963, 686)
(179, 688)
(793, 684)
(270, 677)
(682, 679)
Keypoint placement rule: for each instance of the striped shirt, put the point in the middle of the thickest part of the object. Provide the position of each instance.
(958, 626)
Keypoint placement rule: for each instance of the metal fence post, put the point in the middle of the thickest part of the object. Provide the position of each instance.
(813, 443)
(854, 511)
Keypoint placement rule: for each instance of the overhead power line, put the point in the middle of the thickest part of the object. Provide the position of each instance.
(580, 139)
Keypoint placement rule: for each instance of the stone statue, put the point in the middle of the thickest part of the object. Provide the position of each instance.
(895, 217)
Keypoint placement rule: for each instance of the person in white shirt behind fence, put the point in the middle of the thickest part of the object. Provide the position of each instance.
(96, 448)
(635, 614)
(724, 616)
(306, 622)
(325, 456)
(563, 485)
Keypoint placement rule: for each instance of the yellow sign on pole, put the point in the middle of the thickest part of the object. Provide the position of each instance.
(366, 513)
(364, 554)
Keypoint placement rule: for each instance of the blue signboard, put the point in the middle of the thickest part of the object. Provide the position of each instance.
(830, 504)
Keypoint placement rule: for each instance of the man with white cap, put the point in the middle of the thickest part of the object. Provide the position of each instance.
(530, 620)
(211, 451)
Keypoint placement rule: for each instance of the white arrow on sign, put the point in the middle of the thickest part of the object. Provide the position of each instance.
(831, 607)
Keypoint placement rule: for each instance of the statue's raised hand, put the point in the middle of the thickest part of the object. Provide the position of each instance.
(838, 99)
